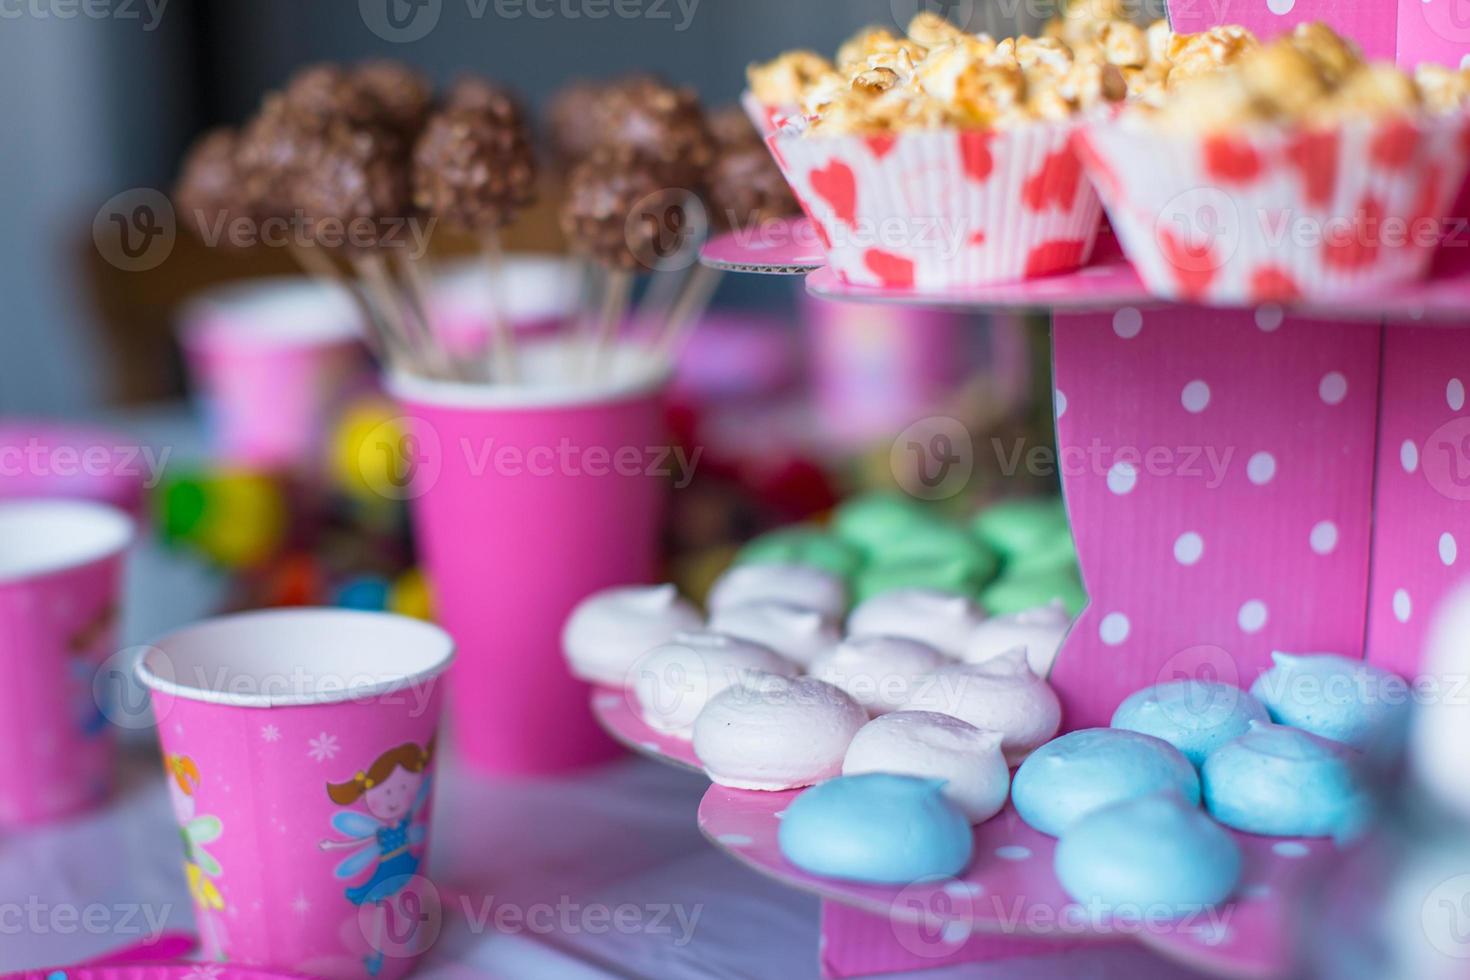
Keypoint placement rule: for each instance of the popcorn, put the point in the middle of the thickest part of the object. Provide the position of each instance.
(1124, 44)
(877, 47)
(1441, 88)
(786, 78)
(1223, 78)
(930, 30)
(1192, 55)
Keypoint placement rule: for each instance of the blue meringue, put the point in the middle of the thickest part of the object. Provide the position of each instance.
(1154, 852)
(1284, 782)
(1348, 701)
(1196, 717)
(1091, 768)
(877, 828)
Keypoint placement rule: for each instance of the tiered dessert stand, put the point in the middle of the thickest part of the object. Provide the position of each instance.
(1238, 481)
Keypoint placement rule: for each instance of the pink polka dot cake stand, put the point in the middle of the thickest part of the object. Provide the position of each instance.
(616, 711)
(1009, 900)
(782, 247)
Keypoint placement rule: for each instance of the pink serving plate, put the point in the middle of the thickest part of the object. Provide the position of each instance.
(781, 247)
(1010, 890)
(617, 712)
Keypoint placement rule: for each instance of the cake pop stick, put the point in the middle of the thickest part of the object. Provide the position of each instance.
(473, 168)
(502, 341)
(694, 299)
(619, 286)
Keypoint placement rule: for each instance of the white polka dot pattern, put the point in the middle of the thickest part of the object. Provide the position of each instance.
(1225, 501)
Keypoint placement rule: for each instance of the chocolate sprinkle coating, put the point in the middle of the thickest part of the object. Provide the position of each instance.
(746, 188)
(577, 118)
(273, 154)
(355, 174)
(474, 92)
(624, 216)
(326, 92)
(208, 188)
(401, 96)
(474, 167)
(662, 126)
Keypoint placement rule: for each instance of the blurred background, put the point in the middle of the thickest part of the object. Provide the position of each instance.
(105, 96)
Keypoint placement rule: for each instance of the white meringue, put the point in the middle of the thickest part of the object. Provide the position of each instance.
(609, 630)
(674, 681)
(927, 743)
(796, 585)
(880, 672)
(1001, 694)
(941, 619)
(775, 733)
(799, 634)
(1039, 631)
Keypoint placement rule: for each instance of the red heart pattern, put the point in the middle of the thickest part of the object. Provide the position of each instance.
(1315, 156)
(1055, 184)
(1193, 265)
(893, 271)
(836, 185)
(880, 144)
(1049, 258)
(975, 155)
(1231, 161)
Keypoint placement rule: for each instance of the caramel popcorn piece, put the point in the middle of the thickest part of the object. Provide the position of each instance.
(1123, 44)
(930, 30)
(876, 47)
(1192, 55)
(1375, 90)
(1441, 88)
(784, 79)
(1335, 56)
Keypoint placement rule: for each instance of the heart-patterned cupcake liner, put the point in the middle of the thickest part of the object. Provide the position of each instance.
(1274, 213)
(927, 210)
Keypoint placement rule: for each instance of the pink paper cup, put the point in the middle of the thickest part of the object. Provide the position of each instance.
(60, 580)
(300, 750)
(765, 118)
(526, 499)
(269, 360)
(926, 210)
(1275, 213)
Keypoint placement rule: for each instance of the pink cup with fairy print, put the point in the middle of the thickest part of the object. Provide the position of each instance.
(60, 578)
(300, 750)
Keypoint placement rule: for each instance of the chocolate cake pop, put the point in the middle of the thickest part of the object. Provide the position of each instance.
(577, 120)
(473, 167)
(354, 175)
(326, 92)
(662, 126)
(208, 191)
(746, 187)
(402, 97)
(606, 215)
(474, 92)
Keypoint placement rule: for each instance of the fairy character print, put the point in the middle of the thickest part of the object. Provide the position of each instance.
(200, 867)
(389, 837)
